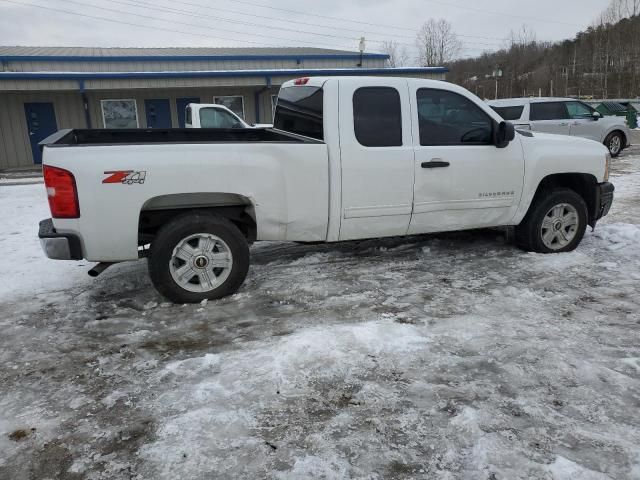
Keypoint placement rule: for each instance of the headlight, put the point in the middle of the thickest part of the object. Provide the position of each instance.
(607, 166)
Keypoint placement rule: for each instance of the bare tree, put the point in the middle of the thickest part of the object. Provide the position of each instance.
(619, 9)
(398, 54)
(523, 37)
(437, 43)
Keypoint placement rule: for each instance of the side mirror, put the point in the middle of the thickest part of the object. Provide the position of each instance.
(504, 134)
(596, 116)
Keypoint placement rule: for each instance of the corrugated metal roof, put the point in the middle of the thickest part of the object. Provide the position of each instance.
(17, 51)
(359, 71)
(613, 106)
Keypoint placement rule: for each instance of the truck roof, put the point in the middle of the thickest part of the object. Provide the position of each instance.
(511, 102)
(321, 80)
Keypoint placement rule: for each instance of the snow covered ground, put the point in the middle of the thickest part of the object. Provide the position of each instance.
(441, 356)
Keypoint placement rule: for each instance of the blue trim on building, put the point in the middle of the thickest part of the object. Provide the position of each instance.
(297, 72)
(186, 58)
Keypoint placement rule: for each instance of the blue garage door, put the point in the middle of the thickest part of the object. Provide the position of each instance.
(158, 113)
(181, 105)
(41, 122)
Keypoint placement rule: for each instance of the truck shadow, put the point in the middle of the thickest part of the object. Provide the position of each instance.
(264, 253)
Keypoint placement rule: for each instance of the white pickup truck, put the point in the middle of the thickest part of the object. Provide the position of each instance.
(213, 115)
(349, 158)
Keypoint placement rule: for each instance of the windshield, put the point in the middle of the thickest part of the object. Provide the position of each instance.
(217, 118)
(299, 110)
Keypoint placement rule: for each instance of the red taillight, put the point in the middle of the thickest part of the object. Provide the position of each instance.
(61, 192)
(301, 81)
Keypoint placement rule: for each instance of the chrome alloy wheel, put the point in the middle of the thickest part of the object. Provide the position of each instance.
(615, 145)
(559, 226)
(201, 262)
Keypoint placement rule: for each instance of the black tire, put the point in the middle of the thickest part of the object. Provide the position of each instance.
(609, 142)
(529, 234)
(182, 227)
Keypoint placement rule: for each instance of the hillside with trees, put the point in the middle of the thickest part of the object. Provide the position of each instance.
(601, 62)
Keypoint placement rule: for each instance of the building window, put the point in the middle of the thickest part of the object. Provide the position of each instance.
(235, 103)
(119, 113)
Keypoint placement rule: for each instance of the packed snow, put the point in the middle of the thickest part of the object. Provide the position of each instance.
(441, 356)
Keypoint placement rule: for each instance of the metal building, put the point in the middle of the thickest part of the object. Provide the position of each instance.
(43, 89)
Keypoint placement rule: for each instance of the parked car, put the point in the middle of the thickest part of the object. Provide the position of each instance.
(349, 158)
(565, 116)
(213, 115)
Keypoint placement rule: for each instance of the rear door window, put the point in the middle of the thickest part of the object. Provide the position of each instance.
(549, 111)
(377, 117)
(509, 113)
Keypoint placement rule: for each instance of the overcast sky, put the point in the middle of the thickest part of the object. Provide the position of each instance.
(242, 23)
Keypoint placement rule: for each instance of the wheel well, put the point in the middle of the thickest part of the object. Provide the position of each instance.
(157, 211)
(583, 184)
(624, 136)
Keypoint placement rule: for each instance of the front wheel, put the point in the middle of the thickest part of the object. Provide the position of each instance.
(555, 223)
(615, 143)
(198, 256)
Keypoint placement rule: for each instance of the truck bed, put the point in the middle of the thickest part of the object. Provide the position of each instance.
(141, 136)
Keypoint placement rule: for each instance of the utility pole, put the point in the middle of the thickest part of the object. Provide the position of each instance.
(497, 73)
(361, 47)
(551, 94)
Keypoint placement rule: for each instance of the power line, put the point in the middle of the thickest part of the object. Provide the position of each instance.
(299, 12)
(489, 12)
(141, 4)
(173, 21)
(121, 22)
(299, 22)
(359, 32)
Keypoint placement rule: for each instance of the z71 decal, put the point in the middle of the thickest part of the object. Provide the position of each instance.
(126, 177)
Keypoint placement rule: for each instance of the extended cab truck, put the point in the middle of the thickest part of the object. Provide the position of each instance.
(349, 158)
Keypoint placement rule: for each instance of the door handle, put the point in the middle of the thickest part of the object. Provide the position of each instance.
(563, 124)
(435, 164)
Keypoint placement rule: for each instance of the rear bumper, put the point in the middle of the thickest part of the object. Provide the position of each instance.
(58, 246)
(604, 199)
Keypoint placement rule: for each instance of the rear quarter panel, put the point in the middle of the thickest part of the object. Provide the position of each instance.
(286, 184)
(612, 124)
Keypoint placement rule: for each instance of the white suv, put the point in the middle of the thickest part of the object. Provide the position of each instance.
(565, 116)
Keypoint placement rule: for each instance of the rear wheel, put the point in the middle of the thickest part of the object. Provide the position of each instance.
(615, 143)
(555, 223)
(198, 256)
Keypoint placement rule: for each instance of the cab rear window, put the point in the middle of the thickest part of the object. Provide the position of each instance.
(300, 110)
